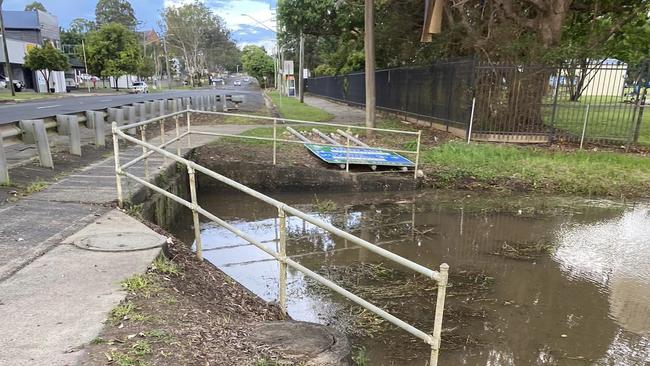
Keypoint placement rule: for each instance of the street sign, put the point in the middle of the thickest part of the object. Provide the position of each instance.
(358, 156)
(288, 67)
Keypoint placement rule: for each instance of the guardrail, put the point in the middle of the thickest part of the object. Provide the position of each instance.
(148, 149)
(36, 131)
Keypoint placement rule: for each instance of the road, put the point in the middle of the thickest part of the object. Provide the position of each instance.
(33, 110)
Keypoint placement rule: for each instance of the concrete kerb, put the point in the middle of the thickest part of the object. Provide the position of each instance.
(34, 132)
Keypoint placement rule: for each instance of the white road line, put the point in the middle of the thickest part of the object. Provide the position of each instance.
(49, 106)
(106, 100)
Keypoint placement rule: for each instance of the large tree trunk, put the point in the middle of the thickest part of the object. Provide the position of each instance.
(511, 99)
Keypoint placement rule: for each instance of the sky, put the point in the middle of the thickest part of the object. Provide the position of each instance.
(244, 29)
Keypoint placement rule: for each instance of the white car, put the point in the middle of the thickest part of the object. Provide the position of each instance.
(139, 87)
(237, 83)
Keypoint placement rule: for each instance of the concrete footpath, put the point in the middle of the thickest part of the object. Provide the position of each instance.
(54, 293)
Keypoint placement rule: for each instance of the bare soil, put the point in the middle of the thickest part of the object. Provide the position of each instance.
(193, 315)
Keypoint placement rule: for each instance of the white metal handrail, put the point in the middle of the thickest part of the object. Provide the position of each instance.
(440, 276)
(277, 140)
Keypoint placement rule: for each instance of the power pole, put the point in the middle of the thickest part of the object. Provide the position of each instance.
(83, 47)
(369, 40)
(301, 67)
(4, 44)
(169, 75)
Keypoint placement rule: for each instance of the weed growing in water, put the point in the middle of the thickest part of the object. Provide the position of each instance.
(324, 206)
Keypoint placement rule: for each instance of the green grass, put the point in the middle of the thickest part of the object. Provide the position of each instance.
(580, 172)
(34, 187)
(608, 118)
(291, 108)
(125, 311)
(137, 283)
(163, 265)
(28, 95)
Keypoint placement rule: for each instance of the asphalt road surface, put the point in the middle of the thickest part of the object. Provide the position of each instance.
(10, 113)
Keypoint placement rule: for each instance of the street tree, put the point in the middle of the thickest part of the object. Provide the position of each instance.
(198, 37)
(146, 67)
(46, 59)
(113, 50)
(115, 11)
(257, 62)
(35, 5)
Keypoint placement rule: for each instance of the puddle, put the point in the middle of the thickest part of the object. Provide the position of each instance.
(552, 281)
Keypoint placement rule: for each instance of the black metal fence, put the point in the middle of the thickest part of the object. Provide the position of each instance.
(599, 101)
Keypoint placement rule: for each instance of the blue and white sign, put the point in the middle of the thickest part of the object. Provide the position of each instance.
(358, 155)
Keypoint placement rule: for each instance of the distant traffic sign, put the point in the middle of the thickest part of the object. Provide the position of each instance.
(358, 155)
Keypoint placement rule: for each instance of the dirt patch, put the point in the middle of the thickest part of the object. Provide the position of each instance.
(409, 297)
(183, 312)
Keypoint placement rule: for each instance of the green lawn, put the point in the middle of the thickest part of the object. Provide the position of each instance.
(580, 172)
(27, 95)
(291, 108)
(608, 118)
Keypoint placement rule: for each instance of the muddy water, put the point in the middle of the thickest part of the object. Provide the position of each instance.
(580, 297)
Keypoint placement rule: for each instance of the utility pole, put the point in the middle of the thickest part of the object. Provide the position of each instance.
(369, 41)
(169, 75)
(301, 67)
(4, 44)
(83, 47)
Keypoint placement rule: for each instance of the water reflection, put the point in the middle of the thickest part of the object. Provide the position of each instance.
(585, 302)
(615, 254)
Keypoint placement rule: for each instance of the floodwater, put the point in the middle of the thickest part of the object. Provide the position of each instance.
(583, 298)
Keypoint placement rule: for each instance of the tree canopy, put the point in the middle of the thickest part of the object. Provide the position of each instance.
(35, 5)
(515, 31)
(199, 38)
(45, 59)
(257, 62)
(113, 50)
(115, 11)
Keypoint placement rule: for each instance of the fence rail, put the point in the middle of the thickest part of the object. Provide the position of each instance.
(505, 99)
(440, 276)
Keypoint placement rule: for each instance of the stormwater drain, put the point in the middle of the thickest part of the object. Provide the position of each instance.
(120, 242)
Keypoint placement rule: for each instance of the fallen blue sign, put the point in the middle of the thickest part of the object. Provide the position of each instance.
(358, 155)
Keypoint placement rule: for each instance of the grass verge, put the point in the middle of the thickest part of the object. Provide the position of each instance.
(534, 169)
(291, 108)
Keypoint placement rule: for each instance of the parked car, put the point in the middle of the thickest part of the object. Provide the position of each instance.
(70, 84)
(18, 84)
(139, 87)
(237, 83)
(247, 80)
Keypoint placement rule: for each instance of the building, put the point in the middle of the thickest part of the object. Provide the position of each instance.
(24, 30)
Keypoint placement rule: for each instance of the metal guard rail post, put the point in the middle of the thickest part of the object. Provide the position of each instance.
(441, 277)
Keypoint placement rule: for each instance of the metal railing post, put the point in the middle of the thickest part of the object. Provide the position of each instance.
(189, 139)
(584, 127)
(275, 136)
(417, 156)
(118, 169)
(283, 261)
(195, 214)
(143, 135)
(440, 308)
(347, 153)
(162, 139)
(178, 135)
